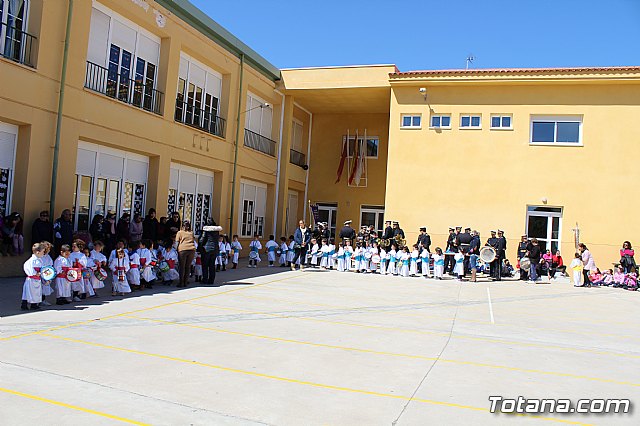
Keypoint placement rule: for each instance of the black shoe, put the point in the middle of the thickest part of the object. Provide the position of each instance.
(35, 307)
(24, 306)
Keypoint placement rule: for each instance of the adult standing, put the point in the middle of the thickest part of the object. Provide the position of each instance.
(627, 261)
(522, 252)
(110, 232)
(42, 228)
(97, 229)
(63, 231)
(464, 240)
(533, 253)
(387, 235)
(122, 229)
(449, 263)
(209, 248)
(173, 224)
(494, 267)
(501, 252)
(474, 252)
(588, 262)
(301, 239)
(347, 232)
(397, 231)
(136, 228)
(186, 251)
(424, 239)
(150, 226)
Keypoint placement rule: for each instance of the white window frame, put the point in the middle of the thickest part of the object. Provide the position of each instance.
(377, 210)
(254, 218)
(201, 174)
(550, 216)
(431, 126)
(471, 117)
(412, 116)
(555, 119)
(252, 108)
(332, 212)
(209, 73)
(14, 130)
(297, 135)
(4, 20)
(500, 116)
(360, 139)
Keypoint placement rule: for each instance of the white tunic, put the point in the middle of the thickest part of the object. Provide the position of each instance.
(171, 257)
(341, 259)
(47, 289)
(348, 255)
(120, 267)
(78, 260)
(148, 271)
(413, 266)
(290, 252)
(63, 286)
(403, 265)
(424, 256)
(384, 261)
(255, 247)
(314, 255)
(99, 260)
(332, 256)
(391, 269)
(271, 247)
(283, 253)
(438, 265)
(236, 247)
(32, 288)
(459, 268)
(373, 266)
(133, 274)
(324, 253)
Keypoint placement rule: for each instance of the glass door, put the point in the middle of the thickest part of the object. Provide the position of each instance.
(329, 213)
(545, 224)
(372, 215)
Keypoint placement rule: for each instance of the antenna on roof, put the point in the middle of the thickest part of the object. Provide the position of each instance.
(470, 59)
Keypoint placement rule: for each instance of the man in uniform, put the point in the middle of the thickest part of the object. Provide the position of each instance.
(501, 252)
(494, 269)
(464, 240)
(451, 248)
(347, 232)
(388, 233)
(424, 240)
(397, 230)
(522, 252)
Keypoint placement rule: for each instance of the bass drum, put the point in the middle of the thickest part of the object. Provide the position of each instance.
(525, 263)
(487, 254)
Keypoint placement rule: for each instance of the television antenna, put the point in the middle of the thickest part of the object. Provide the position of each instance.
(470, 60)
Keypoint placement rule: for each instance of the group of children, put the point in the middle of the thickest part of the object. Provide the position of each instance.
(619, 278)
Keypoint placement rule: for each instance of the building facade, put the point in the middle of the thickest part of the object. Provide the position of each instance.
(158, 106)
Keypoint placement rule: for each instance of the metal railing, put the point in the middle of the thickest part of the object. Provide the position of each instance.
(17, 45)
(199, 118)
(123, 88)
(297, 158)
(260, 143)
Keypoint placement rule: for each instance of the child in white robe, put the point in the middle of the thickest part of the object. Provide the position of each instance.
(392, 269)
(283, 252)
(331, 264)
(458, 270)
(324, 252)
(405, 259)
(236, 247)
(254, 247)
(384, 261)
(48, 288)
(358, 257)
(171, 257)
(413, 267)
(133, 274)
(120, 266)
(291, 253)
(373, 266)
(271, 247)
(314, 252)
(348, 255)
(424, 258)
(438, 264)
(87, 273)
(62, 265)
(223, 255)
(148, 261)
(341, 257)
(99, 261)
(32, 287)
(577, 266)
(197, 267)
(78, 260)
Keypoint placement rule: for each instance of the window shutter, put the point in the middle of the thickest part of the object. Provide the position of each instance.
(110, 166)
(98, 38)
(173, 178)
(86, 162)
(7, 149)
(148, 49)
(123, 36)
(267, 118)
(205, 184)
(136, 171)
(261, 201)
(187, 182)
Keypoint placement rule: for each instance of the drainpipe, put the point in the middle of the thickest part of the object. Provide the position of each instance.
(306, 178)
(56, 147)
(275, 208)
(235, 157)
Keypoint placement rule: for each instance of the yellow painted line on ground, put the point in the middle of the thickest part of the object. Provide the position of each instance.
(72, 407)
(433, 333)
(294, 381)
(374, 352)
(32, 333)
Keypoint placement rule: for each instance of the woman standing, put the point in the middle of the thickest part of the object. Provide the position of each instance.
(186, 251)
(589, 263)
(533, 253)
(301, 239)
(626, 257)
(135, 228)
(109, 228)
(96, 229)
(150, 226)
(209, 248)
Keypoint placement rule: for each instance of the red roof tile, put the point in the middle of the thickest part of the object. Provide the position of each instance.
(475, 71)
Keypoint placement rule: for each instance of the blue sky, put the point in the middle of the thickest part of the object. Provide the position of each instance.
(429, 34)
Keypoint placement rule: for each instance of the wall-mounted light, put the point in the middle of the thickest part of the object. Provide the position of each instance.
(544, 200)
(423, 92)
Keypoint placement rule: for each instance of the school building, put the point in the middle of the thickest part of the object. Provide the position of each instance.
(122, 105)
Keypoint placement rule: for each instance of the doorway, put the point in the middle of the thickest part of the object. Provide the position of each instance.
(545, 224)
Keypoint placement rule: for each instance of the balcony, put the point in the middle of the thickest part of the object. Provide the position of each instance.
(200, 119)
(121, 87)
(260, 143)
(17, 45)
(297, 158)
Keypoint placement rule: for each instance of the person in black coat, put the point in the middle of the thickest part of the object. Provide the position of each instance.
(501, 251)
(347, 232)
(173, 225)
(150, 226)
(42, 229)
(97, 229)
(209, 247)
(63, 231)
(533, 253)
(522, 252)
(424, 239)
(397, 231)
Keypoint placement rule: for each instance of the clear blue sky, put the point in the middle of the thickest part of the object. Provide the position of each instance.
(430, 34)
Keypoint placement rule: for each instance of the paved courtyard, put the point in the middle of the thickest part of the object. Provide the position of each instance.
(271, 346)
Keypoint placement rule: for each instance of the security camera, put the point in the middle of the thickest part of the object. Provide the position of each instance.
(423, 90)
(266, 105)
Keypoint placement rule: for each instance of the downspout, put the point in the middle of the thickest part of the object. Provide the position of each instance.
(235, 157)
(63, 80)
(306, 179)
(275, 207)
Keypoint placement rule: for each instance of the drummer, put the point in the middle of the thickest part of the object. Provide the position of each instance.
(474, 251)
(522, 252)
(501, 251)
(494, 269)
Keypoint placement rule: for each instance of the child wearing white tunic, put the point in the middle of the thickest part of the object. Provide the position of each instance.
(197, 267)
(32, 287)
(271, 247)
(120, 266)
(171, 257)
(283, 251)
(384, 260)
(133, 274)
(148, 259)
(47, 287)
(87, 273)
(332, 255)
(358, 258)
(577, 266)
(221, 259)
(341, 259)
(324, 253)
(291, 253)
(391, 269)
(62, 265)
(438, 264)
(413, 266)
(373, 266)
(459, 261)
(424, 257)
(314, 252)
(255, 247)
(236, 247)
(78, 260)
(348, 255)
(99, 261)
(405, 260)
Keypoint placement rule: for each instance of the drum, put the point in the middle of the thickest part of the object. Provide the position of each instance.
(375, 259)
(164, 266)
(525, 263)
(86, 274)
(253, 255)
(100, 274)
(47, 274)
(74, 274)
(487, 254)
(367, 256)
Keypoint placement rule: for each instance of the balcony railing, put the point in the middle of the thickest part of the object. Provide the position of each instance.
(17, 45)
(200, 119)
(260, 143)
(123, 88)
(297, 158)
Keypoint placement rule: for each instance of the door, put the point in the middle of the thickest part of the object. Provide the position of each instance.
(329, 213)
(372, 215)
(545, 224)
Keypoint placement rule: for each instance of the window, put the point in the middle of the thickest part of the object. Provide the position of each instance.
(296, 140)
(82, 207)
(372, 145)
(190, 194)
(545, 224)
(258, 120)
(501, 122)
(14, 41)
(411, 121)
(253, 199)
(373, 215)
(8, 138)
(441, 121)
(562, 130)
(328, 213)
(470, 122)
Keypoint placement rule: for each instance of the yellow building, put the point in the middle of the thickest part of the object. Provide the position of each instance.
(156, 105)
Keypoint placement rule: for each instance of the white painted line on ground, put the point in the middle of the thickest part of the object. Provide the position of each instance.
(490, 306)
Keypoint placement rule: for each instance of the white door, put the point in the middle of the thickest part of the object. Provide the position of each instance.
(292, 213)
(329, 213)
(545, 224)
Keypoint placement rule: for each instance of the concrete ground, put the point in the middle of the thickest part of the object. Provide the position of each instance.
(272, 346)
